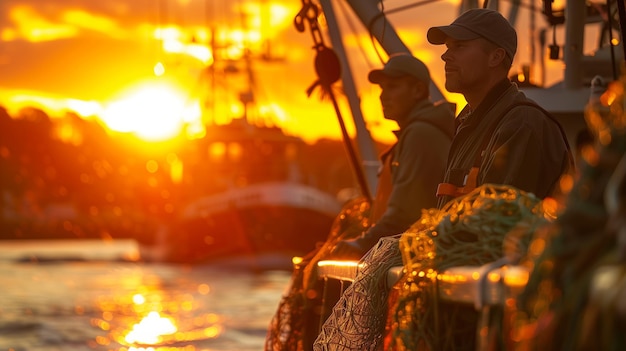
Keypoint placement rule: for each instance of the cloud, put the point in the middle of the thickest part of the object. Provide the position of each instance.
(53, 22)
(28, 24)
(98, 23)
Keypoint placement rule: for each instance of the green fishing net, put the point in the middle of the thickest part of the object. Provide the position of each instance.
(472, 230)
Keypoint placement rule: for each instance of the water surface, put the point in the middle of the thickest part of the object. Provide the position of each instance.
(81, 304)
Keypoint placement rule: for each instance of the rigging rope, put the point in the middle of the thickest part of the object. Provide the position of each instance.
(328, 70)
(622, 23)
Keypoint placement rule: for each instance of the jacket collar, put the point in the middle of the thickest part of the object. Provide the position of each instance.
(465, 117)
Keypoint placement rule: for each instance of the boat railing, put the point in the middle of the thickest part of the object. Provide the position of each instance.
(490, 284)
(496, 284)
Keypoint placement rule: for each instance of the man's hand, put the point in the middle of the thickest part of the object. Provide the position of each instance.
(349, 249)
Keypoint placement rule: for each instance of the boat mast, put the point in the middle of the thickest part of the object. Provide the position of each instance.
(574, 41)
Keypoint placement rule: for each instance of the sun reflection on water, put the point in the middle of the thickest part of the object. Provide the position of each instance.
(148, 319)
(150, 329)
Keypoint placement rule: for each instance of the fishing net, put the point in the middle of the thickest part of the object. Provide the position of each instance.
(300, 311)
(468, 231)
(560, 308)
(358, 317)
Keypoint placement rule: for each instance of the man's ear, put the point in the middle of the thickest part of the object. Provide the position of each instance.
(496, 56)
(421, 90)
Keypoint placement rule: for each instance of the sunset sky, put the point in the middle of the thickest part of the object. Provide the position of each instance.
(141, 65)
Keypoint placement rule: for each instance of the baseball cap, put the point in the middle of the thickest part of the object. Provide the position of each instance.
(401, 65)
(475, 23)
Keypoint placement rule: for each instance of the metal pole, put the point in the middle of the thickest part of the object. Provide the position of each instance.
(574, 36)
(368, 153)
(370, 15)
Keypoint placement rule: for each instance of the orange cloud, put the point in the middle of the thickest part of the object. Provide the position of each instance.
(32, 26)
(85, 20)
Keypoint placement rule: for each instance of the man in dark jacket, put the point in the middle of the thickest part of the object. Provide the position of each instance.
(502, 137)
(415, 164)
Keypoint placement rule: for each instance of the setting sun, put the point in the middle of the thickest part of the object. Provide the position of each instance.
(154, 110)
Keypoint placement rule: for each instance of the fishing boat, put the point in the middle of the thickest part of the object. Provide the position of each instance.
(254, 190)
(489, 293)
(254, 201)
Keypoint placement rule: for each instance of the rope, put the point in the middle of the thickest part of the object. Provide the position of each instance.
(328, 69)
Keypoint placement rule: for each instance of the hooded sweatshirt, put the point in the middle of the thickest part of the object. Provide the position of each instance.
(416, 163)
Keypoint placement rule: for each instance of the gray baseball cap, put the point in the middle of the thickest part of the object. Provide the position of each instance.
(400, 65)
(476, 23)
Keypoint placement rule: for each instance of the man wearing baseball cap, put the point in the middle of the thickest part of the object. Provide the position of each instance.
(414, 165)
(502, 137)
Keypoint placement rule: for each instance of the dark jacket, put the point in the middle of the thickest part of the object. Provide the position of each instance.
(522, 146)
(417, 163)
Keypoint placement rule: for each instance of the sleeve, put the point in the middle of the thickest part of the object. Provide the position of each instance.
(417, 168)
